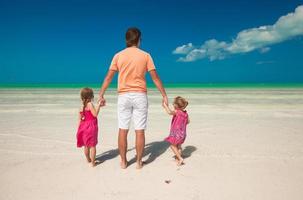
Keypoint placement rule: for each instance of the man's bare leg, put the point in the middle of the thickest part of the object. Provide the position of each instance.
(122, 144)
(140, 143)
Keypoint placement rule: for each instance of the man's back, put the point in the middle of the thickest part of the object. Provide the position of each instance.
(132, 64)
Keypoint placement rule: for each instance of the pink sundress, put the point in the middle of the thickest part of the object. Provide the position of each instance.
(178, 128)
(87, 134)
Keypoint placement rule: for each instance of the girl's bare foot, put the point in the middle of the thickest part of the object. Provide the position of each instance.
(123, 165)
(180, 162)
(88, 160)
(176, 159)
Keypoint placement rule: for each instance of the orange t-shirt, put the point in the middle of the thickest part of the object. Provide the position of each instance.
(132, 64)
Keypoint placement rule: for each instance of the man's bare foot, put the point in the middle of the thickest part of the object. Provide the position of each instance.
(139, 164)
(123, 165)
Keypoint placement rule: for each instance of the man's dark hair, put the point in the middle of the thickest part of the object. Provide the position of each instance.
(132, 36)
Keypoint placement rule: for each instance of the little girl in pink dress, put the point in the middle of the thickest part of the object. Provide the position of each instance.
(87, 134)
(178, 127)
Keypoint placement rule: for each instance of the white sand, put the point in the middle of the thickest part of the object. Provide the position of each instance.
(242, 144)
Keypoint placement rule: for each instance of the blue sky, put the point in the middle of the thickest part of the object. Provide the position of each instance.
(74, 41)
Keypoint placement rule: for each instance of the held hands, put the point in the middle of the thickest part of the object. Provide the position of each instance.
(165, 101)
(101, 101)
(166, 106)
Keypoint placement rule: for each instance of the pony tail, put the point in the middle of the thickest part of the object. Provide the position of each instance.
(86, 95)
(84, 105)
(185, 104)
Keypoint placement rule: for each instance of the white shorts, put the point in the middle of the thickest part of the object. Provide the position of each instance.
(132, 104)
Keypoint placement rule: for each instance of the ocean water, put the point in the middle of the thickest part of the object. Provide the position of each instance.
(67, 100)
(168, 85)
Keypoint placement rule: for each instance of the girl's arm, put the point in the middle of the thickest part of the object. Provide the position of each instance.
(94, 111)
(188, 121)
(168, 110)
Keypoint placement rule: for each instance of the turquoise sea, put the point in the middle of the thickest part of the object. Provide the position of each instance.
(167, 85)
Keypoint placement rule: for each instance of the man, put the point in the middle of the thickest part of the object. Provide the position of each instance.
(132, 64)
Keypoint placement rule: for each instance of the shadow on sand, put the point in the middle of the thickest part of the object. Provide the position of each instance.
(107, 155)
(152, 151)
(188, 150)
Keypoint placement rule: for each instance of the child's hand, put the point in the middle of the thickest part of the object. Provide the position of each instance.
(100, 104)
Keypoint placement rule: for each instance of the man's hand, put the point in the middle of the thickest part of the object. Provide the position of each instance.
(158, 83)
(106, 82)
(101, 100)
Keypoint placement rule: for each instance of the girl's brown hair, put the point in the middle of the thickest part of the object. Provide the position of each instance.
(86, 94)
(132, 36)
(180, 102)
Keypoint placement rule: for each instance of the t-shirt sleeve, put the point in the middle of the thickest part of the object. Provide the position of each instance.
(150, 63)
(113, 65)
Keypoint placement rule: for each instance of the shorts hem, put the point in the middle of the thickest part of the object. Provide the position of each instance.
(125, 128)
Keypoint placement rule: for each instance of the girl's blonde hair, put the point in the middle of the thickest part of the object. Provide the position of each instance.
(86, 94)
(180, 102)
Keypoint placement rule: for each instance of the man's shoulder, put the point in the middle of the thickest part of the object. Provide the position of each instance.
(119, 52)
(142, 51)
(131, 50)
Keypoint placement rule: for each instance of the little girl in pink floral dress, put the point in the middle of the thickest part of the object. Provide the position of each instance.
(178, 127)
(87, 134)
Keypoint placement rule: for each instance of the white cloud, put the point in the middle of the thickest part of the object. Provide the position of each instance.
(194, 55)
(285, 28)
(184, 49)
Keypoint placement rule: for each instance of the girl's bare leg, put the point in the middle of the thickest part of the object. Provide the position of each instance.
(178, 155)
(92, 151)
(180, 149)
(86, 153)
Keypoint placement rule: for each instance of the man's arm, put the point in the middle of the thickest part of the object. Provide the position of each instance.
(157, 81)
(107, 80)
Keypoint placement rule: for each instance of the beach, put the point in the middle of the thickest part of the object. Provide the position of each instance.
(242, 143)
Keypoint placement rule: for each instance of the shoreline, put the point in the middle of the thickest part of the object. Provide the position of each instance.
(150, 85)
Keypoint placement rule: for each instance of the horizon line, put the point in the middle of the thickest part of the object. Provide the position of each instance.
(151, 85)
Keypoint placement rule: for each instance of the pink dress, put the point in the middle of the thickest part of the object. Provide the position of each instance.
(178, 128)
(87, 134)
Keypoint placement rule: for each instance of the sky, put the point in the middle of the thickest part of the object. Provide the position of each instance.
(190, 41)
